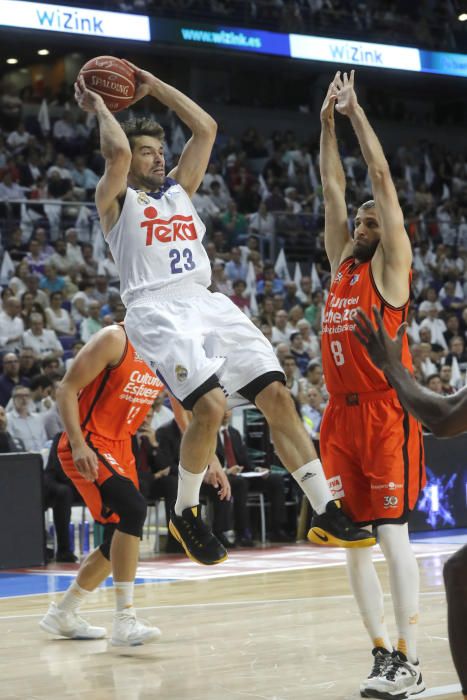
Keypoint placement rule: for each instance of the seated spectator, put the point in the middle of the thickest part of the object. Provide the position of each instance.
(289, 365)
(76, 347)
(60, 260)
(44, 342)
(433, 383)
(92, 323)
(60, 494)
(8, 443)
(315, 378)
(445, 374)
(298, 352)
(52, 369)
(413, 328)
(312, 412)
(108, 268)
(205, 207)
(435, 324)
(310, 339)
(11, 376)
(233, 455)
(449, 300)
(10, 190)
(35, 258)
(81, 300)
(235, 269)
(11, 325)
(262, 223)
(58, 318)
(234, 223)
(18, 139)
(219, 197)
(220, 282)
(453, 326)
(101, 290)
(73, 248)
(51, 282)
(32, 286)
(17, 249)
(28, 307)
(24, 423)
(40, 387)
(291, 299)
(281, 330)
(304, 291)
(270, 275)
(158, 475)
(431, 298)
(457, 351)
(40, 235)
(29, 363)
(83, 177)
(90, 264)
(238, 296)
(314, 312)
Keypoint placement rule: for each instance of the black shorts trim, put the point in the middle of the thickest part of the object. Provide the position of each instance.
(250, 391)
(401, 520)
(211, 383)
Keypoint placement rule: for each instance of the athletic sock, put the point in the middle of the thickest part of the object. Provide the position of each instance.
(312, 481)
(189, 485)
(73, 598)
(124, 594)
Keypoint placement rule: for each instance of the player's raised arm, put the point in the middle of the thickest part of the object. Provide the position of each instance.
(445, 416)
(394, 240)
(115, 150)
(194, 160)
(336, 232)
(104, 349)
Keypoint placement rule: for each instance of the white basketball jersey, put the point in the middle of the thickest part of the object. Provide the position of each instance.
(157, 242)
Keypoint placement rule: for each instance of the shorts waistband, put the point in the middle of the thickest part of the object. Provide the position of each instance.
(355, 399)
(170, 292)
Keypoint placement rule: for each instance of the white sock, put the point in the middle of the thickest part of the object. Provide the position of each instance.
(189, 485)
(311, 479)
(124, 594)
(404, 579)
(73, 598)
(368, 593)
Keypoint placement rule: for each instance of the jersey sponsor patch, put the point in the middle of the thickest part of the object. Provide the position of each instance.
(177, 228)
(143, 199)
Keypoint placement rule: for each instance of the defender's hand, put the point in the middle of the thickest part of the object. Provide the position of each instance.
(85, 461)
(346, 96)
(327, 109)
(384, 352)
(88, 100)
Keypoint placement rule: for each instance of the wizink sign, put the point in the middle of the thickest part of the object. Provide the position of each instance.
(73, 20)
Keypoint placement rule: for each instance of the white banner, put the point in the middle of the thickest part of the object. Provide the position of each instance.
(73, 20)
(355, 53)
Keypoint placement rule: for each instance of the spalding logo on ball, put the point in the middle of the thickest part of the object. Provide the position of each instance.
(112, 79)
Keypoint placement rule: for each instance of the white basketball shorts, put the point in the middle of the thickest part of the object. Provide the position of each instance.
(188, 335)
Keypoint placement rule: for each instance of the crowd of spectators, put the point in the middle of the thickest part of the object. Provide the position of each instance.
(262, 205)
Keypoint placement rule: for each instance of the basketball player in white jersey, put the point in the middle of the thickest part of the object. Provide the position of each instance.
(200, 344)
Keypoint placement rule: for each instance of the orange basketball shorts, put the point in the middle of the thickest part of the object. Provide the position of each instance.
(115, 458)
(372, 454)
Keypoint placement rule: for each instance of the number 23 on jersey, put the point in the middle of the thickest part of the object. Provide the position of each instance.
(181, 260)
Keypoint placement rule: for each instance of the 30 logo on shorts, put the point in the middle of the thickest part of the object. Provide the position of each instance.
(390, 501)
(181, 373)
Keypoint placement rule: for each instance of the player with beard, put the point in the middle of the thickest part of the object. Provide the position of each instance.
(200, 344)
(371, 447)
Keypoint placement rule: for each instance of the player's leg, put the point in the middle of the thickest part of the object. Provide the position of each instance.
(298, 455)
(455, 579)
(196, 451)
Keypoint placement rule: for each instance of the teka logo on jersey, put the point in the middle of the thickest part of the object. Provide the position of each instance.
(178, 227)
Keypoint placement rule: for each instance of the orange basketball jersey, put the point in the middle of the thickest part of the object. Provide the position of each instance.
(116, 402)
(346, 364)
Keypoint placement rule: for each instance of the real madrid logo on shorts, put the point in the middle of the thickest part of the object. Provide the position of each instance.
(143, 199)
(181, 372)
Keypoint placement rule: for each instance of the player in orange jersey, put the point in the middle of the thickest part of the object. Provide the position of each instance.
(103, 399)
(445, 416)
(371, 447)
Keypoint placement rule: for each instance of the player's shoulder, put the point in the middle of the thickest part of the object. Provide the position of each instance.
(112, 337)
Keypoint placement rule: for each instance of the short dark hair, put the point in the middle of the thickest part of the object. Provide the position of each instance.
(142, 126)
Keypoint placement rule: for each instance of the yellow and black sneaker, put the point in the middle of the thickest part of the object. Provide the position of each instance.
(196, 537)
(335, 529)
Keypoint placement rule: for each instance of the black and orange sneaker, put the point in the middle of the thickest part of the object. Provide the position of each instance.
(333, 528)
(196, 537)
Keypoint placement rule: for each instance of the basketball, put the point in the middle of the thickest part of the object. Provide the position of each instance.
(112, 79)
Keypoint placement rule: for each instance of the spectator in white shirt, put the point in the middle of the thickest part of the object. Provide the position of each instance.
(92, 323)
(64, 129)
(9, 189)
(73, 248)
(108, 268)
(61, 167)
(60, 260)
(11, 325)
(162, 414)
(44, 342)
(262, 222)
(218, 196)
(437, 327)
(58, 318)
(280, 330)
(23, 423)
(18, 140)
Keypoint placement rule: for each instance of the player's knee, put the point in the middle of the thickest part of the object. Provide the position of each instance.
(133, 515)
(455, 569)
(209, 409)
(276, 402)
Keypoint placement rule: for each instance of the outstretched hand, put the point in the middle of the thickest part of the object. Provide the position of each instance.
(384, 351)
(346, 96)
(88, 100)
(327, 108)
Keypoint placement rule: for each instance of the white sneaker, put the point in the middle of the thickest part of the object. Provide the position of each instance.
(69, 624)
(381, 658)
(399, 680)
(128, 631)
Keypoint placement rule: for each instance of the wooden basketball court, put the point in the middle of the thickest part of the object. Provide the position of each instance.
(269, 624)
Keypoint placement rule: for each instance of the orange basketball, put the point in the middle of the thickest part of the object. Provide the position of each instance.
(112, 79)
